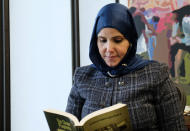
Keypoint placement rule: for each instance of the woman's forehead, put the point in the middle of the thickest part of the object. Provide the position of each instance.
(109, 32)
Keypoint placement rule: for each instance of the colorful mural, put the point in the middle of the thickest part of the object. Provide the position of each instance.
(163, 28)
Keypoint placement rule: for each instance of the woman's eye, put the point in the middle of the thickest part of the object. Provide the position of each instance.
(103, 40)
(118, 40)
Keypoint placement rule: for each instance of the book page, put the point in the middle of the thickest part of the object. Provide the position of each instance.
(114, 118)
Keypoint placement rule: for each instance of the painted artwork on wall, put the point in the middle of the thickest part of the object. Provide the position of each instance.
(163, 28)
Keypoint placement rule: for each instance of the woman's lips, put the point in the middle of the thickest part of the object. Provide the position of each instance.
(111, 57)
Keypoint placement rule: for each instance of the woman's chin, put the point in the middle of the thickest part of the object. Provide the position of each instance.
(112, 65)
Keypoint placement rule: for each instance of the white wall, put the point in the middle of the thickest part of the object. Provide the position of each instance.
(41, 70)
(124, 2)
(88, 10)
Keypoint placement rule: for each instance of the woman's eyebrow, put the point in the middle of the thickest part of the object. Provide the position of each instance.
(101, 36)
(112, 37)
(119, 36)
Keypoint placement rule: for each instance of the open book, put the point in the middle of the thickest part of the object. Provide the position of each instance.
(113, 118)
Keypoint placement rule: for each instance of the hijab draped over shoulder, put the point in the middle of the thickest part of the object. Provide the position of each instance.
(116, 16)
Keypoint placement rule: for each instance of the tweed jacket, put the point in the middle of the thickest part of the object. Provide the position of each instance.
(151, 96)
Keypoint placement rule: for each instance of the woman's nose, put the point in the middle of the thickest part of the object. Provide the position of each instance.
(110, 46)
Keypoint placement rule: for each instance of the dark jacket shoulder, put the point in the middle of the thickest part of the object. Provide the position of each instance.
(85, 73)
(157, 71)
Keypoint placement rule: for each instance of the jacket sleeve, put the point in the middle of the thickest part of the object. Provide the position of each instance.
(168, 105)
(75, 102)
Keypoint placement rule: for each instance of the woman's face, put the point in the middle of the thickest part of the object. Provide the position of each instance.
(112, 46)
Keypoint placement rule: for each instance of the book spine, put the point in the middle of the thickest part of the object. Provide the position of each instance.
(80, 128)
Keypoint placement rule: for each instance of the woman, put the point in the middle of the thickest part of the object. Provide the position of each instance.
(118, 75)
(180, 45)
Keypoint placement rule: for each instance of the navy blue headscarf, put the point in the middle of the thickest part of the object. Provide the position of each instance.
(116, 16)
